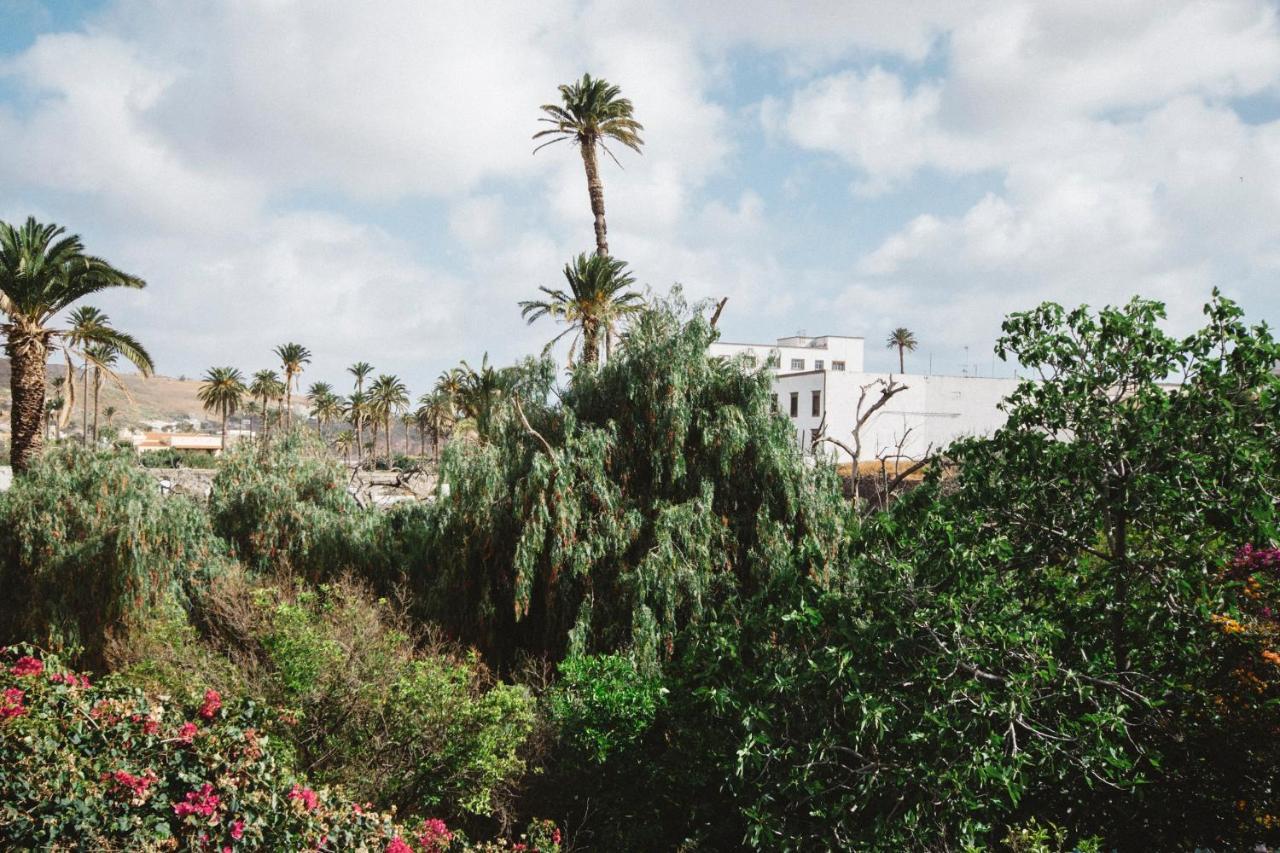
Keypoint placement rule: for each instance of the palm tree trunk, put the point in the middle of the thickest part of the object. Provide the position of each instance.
(84, 426)
(97, 389)
(288, 398)
(27, 356)
(224, 429)
(901, 364)
(590, 342)
(387, 430)
(359, 437)
(596, 190)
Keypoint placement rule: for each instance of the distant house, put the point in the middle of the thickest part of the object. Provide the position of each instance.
(182, 441)
(818, 383)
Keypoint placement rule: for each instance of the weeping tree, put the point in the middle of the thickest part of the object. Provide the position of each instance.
(649, 497)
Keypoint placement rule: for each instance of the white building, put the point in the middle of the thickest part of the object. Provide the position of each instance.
(822, 397)
(798, 353)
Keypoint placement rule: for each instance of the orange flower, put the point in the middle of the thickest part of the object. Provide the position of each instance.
(1271, 657)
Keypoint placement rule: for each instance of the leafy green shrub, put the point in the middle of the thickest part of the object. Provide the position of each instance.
(284, 507)
(602, 703)
(170, 458)
(107, 767)
(1057, 632)
(88, 547)
(372, 710)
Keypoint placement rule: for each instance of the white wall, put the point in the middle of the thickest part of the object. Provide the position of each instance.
(933, 410)
(827, 349)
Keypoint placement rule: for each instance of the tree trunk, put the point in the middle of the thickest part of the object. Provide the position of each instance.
(387, 430)
(359, 438)
(901, 363)
(590, 342)
(596, 190)
(97, 389)
(84, 426)
(288, 399)
(224, 429)
(27, 357)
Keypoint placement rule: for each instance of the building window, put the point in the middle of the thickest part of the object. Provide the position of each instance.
(813, 436)
(797, 364)
(837, 365)
(817, 403)
(749, 360)
(795, 404)
(774, 360)
(817, 365)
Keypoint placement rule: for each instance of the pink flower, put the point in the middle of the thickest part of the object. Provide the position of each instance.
(27, 665)
(11, 706)
(306, 796)
(187, 732)
(203, 802)
(398, 845)
(212, 702)
(137, 784)
(237, 830)
(434, 836)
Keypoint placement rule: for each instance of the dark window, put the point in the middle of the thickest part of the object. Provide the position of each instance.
(837, 365)
(797, 364)
(817, 365)
(775, 402)
(795, 404)
(817, 403)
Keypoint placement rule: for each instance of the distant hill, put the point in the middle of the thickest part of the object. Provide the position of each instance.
(159, 398)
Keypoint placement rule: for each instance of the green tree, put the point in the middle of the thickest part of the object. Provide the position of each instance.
(592, 111)
(293, 357)
(388, 396)
(360, 370)
(596, 300)
(436, 415)
(266, 386)
(222, 390)
(356, 408)
(904, 340)
(43, 273)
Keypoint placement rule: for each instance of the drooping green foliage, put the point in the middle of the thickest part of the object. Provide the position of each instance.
(88, 546)
(1056, 631)
(284, 506)
(658, 490)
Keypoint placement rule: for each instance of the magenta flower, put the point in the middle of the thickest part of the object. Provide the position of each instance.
(27, 665)
(212, 702)
(203, 802)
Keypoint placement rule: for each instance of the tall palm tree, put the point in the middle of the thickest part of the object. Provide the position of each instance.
(591, 111)
(325, 408)
(481, 395)
(83, 324)
(407, 421)
(343, 441)
(109, 413)
(316, 394)
(436, 413)
(222, 390)
(104, 359)
(42, 273)
(904, 340)
(597, 298)
(360, 370)
(356, 410)
(389, 396)
(266, 386)
(292, 358)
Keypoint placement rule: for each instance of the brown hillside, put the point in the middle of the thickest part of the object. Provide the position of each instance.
(156, 398)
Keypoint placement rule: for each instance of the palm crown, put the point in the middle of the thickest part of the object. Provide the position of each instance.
(596, 299)
(222, 390)
(590, 112)
(292, 358)
(905, 341)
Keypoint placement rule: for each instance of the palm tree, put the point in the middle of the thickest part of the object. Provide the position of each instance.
(222, 391)
(360, 370)
(389, 397)
(904, 340)
(436, 413)
(83, 325)
(325, 408)
(266, 386)
(407, 421)
(316, 394)
(104, 358)
(592, 111)
(597, 298)
(481, 394)
(292, 358)
(343, 441)
(109, 413)
(355, 409)
(41, 274)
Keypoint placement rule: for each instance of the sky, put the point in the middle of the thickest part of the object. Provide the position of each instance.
(359, 177)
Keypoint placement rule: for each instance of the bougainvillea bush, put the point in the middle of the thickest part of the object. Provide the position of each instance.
(96, 766)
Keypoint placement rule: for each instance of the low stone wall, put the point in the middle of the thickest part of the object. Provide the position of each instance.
(193, 482)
